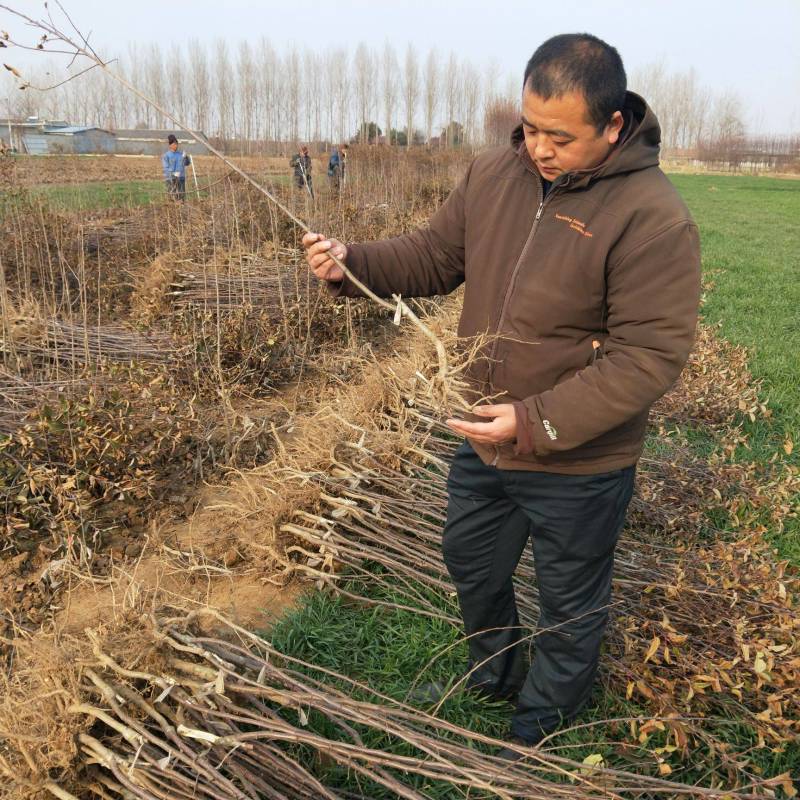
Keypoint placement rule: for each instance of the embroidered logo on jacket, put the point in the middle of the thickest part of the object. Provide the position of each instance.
(551, 431)
(574, 224)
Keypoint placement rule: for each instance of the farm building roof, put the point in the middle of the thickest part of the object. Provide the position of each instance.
(69, 130)
(33, 122)
(155, 134)
(41, 137)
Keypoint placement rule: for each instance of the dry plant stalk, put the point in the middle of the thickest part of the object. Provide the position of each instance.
(226, 716)
(446, 395)
(59, 342)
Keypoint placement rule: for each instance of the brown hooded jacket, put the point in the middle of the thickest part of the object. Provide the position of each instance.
(610, 257)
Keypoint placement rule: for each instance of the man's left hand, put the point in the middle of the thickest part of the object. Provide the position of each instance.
(500, 427)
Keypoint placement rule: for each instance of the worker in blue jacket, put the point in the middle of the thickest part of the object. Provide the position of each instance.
(336, 167)
(174, 162)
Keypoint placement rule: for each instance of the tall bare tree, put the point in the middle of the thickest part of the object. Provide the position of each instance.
(471, 102)
(727, 124)
(362, 64)
(389, 83)
(268, 90)
(452, 96)
(410, 91)
(248, 94)
(338, 68)
(142, 115)
(681, 104)
(314, 94)
(224, 90)
(500, 119)
(177, 90)
(155, 81)
(199, 86)
(431, 90)
(292, 75)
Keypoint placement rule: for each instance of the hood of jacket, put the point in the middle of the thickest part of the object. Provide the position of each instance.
(638, 147)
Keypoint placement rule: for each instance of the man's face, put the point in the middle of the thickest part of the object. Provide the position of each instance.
(173, 146)
(559, 136)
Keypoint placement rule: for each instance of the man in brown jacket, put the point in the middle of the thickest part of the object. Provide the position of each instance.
(580, 258)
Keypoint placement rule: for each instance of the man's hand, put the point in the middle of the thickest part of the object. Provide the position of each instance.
(502, 427)
(318, 250)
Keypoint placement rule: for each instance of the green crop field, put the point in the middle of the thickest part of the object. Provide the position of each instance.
(118, 194)
(106, 194)
(750, 233)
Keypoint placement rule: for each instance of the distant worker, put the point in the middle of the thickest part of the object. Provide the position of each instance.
(174, 162)
(302, 170)
(336, 167)
(334, 170)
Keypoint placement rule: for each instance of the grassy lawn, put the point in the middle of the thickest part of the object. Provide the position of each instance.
(750, 231)
(110, 194)
(121, 194)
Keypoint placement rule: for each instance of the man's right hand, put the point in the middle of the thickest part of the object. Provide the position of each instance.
(318, 250)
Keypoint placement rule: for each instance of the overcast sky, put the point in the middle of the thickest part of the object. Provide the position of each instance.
(750, 47)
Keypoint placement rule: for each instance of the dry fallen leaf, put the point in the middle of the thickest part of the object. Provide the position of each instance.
(653, 649)
(594, 762)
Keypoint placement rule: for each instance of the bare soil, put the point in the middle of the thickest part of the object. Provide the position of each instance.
(200, 561)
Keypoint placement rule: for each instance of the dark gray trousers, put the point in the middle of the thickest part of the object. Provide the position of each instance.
(574, 523)
(176, 188)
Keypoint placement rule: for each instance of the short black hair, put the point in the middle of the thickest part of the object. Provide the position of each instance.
(579, 62)
(172, 139)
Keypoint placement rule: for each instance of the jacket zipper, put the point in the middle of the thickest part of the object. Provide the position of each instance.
(512, 281)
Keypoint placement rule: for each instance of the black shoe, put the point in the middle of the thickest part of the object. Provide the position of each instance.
(519, 742)
(435, 691)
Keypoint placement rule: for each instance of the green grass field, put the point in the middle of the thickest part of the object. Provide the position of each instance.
(105, 194)
(119, 194)
(750, 233)
(391, 651)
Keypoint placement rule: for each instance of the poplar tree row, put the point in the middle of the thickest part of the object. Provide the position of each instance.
(254, 93)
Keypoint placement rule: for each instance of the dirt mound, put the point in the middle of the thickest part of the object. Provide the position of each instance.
(204, 560)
